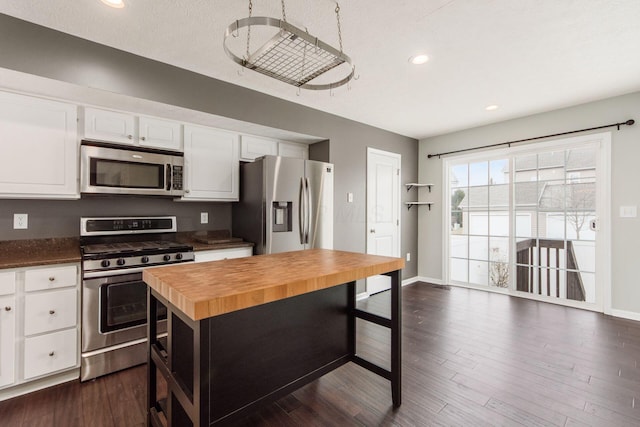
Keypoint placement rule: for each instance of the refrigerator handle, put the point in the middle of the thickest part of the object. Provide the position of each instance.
(308, 209)
(301, 211)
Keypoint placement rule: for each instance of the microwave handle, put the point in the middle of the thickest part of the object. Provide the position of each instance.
(169, 176)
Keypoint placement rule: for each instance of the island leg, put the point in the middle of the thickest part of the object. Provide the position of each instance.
(396, 335)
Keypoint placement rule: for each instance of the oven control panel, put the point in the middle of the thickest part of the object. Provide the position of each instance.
(136, 261)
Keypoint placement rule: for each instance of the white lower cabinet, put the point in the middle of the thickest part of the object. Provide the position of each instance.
(49, 353)
(39, 327)
(49, 311)
(218, 254)
(7, 339)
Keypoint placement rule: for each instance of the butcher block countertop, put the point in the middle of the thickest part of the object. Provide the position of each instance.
(208, 289)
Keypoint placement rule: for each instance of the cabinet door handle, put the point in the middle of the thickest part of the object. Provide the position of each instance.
(187, 191)
(52, 353)
(7, 308)
(130, 136)
(144, 138)
(52, 312)
(52, 278)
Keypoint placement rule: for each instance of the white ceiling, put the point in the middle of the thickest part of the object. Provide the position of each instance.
(526, 56)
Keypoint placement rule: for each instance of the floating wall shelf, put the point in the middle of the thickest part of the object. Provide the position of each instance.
(409, 204)
(415, 184)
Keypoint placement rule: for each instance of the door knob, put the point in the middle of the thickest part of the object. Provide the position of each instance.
(373, 230)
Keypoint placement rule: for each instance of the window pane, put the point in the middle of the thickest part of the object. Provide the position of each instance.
(479, 173)
(551, 160)
(499, 171)
(555, 226)
(459, 246)
(499, 223)
(459, 269)
(526, 162)
(589, 284)
(499, 196)
(552, 195)
(524, 225)
(526, 194)
(479, 272)
(459, 176)
(478, 223)
(585, 256)
(478, 198)
(478, 247)
(499, 274)
(581, 159)
(499, 249)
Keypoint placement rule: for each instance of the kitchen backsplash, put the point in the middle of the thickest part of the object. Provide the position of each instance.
(61, 218)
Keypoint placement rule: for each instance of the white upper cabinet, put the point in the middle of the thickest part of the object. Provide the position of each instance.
(291, 149)
(211, 164)
(38, 147)
(158, 133)
(110, 126)
(252, 147)
(129, 129)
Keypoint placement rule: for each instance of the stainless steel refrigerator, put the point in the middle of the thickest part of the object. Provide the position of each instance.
(285, 204)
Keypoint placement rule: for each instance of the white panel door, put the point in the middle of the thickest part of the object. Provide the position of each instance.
(252, 147)
(383, 210)
(158, 133)
(212, 164)
(39, 148)
(110, 126)
(7, 339)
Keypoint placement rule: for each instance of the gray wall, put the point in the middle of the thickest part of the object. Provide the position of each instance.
(61, 218)
(625, 176)
(40, 51)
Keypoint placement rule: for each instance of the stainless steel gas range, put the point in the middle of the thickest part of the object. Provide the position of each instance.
(114, 301)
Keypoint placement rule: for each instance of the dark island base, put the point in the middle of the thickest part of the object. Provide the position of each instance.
(221, 369)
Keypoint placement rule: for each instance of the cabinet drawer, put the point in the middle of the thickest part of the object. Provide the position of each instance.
(7, 283)
(50, 278)
(49, 311)
(49, 353)
(215, 255)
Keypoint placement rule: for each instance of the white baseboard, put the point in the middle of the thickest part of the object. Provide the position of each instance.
(631, 315)
(428, 280)
(410, 280)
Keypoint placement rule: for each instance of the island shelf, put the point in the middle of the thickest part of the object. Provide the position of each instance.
(242, 334)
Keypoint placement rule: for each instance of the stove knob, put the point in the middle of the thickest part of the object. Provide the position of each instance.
(105, 263)
(167, 257)
(145, 259)
(178, 256)
(120, 261)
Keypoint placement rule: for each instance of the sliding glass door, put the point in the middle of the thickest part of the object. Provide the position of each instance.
(528, 220)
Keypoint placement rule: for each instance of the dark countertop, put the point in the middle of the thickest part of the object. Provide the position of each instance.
(32, 252)
(63, 250)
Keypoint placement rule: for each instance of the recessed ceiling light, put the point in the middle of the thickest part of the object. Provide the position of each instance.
(119, 4)
(491, 107)
(419, 59)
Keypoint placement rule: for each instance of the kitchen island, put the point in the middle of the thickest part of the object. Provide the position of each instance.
(245, 332)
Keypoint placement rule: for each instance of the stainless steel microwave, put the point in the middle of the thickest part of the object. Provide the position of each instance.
(109, 169)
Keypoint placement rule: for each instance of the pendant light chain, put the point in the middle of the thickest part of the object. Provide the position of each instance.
(249, 29)
(284, 14)
(339, 28)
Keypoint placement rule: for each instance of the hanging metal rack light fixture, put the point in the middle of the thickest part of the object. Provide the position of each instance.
(292, 55)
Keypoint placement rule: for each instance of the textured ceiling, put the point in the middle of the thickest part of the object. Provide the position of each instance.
(526, 56)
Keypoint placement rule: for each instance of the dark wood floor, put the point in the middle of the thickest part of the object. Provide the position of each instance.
(470, 359)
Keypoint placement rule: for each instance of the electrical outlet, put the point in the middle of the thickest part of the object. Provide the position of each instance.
(20, 221)
(204, 217)
(408, 256)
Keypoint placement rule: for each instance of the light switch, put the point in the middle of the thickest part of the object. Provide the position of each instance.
(628, 211)
(349, 197)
